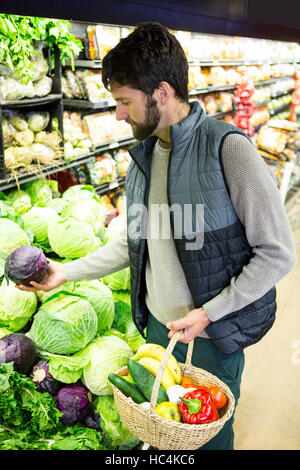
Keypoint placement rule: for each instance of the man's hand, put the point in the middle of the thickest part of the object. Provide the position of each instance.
(192, 324)
(55, 277)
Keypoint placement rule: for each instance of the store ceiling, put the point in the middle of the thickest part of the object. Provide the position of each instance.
(252, 18)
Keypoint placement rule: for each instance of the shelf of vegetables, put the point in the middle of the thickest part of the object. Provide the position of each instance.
(84, 109)
(55, 392)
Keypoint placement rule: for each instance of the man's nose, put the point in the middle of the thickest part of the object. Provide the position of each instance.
(121, 112)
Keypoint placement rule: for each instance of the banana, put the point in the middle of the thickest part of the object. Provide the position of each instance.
(157, 351)
(153, 365)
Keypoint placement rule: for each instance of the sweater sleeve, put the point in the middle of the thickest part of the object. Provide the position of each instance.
(258, 204)
(108, 259)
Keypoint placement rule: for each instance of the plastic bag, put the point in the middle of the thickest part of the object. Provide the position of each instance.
(38, 121)
(43, 87)
(40, 65)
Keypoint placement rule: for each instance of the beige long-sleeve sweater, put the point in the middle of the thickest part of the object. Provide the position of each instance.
(257, 202)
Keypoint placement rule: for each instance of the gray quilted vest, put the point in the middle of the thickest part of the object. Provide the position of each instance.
(196, 179)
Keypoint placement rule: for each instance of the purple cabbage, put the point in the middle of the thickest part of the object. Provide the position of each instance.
(26, 263)
(43, 380)
(19, 349)
(74, 402)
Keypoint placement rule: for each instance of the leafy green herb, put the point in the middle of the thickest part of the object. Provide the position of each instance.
(19, 33)
(30, 419)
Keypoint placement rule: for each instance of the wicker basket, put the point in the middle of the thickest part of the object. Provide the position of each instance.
(163, 433)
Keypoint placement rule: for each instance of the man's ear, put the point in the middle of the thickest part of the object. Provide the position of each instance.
(163, 92)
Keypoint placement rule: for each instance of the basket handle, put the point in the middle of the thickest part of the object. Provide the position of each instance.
(167, 354)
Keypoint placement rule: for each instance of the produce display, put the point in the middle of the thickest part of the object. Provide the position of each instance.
(77, 141)
(27, 144)
(58, 347)
(84, 84)
(178, 399)
(18, 37)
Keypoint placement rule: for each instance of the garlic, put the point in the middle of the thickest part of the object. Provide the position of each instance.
(176, 392)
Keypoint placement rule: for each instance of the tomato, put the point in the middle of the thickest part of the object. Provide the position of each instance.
(218, 396)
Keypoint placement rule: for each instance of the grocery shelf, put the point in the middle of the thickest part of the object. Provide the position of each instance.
(86, 104)
(103, 188)
(213, 89)
(97, 64)
(31, 101)
(47, 170)
(237, 62)
(221, 114)
(279, 110)
(87, 63)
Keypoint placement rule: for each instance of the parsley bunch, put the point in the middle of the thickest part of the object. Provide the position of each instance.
(17, 37)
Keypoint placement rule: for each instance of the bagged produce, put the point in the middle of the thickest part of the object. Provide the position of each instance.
(38, 121)
(16, 119)
(12, 89)
(39, 64)
(43, 87)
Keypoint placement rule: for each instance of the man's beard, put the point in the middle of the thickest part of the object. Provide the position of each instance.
(153, 115)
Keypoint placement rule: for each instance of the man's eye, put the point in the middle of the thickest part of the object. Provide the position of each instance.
(125, 103)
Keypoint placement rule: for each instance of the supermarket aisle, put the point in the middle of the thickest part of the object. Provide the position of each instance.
(268, 414)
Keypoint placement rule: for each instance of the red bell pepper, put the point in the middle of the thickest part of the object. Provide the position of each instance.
(198, 407)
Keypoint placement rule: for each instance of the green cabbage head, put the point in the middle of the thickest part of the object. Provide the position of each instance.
(107, 353)
(88, 210)
(16, 306)
(12, 236)
(37, 220)
(120, 280)
(72, 238)
(101, 298)
(64, 324)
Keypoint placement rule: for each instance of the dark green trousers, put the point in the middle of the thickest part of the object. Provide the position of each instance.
(206, 356)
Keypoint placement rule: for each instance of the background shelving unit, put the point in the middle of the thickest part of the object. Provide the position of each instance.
(56, 103)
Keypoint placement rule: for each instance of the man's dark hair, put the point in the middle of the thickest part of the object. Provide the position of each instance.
(146, 57)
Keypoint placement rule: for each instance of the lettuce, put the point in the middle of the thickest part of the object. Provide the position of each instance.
(115, 430)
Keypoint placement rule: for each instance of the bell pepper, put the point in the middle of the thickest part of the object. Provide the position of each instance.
(198, 407)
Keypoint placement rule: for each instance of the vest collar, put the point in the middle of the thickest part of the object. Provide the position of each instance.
(179, 132)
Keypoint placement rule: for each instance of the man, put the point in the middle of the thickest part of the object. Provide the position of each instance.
(211, 275)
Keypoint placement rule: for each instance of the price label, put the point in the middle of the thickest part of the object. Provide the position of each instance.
(113, 145)
(113, 184)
